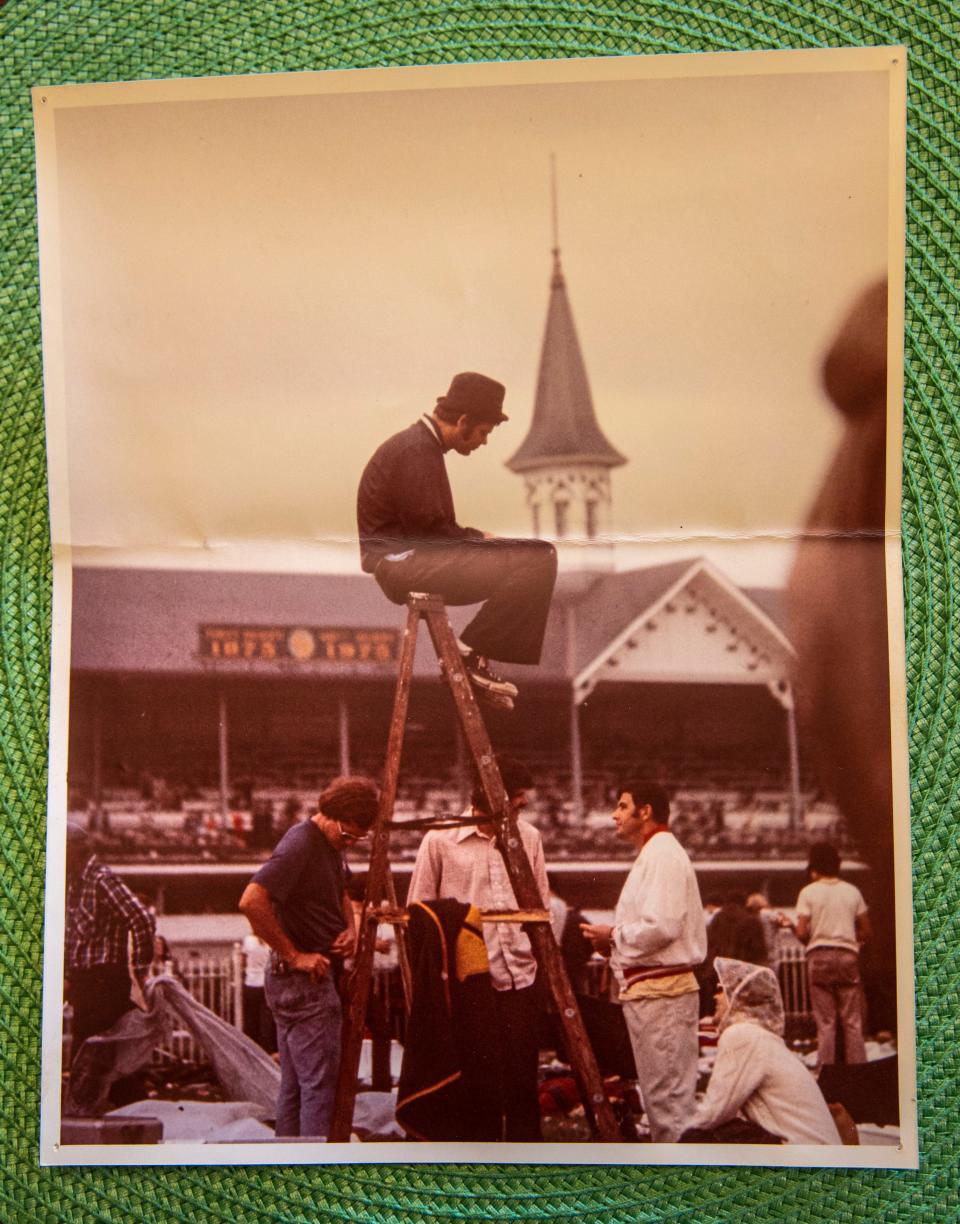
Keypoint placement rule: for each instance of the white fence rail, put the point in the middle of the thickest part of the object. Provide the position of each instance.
(792, 973)
(217, 983)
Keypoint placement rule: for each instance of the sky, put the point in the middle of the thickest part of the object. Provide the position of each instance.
(257, 291)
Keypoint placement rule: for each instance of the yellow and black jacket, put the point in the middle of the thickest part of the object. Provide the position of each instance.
(452, 1007)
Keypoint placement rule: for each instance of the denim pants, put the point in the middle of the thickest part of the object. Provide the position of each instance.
(307, 1013)
(836, 996)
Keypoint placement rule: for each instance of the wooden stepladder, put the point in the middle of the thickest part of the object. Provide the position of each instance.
(380, 888)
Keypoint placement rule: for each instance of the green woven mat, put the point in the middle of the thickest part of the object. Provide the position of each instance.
(109, 40)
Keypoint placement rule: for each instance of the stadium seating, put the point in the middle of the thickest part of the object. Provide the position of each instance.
(715, 815)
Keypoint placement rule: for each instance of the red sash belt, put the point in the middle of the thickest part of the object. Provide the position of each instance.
(646, 973)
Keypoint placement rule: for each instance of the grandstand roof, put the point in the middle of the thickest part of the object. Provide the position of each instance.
(146, 621)
(143, 620)
(770, 601)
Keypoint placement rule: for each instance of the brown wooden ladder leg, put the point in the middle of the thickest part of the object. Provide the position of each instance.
(379, 889)
(519, 871)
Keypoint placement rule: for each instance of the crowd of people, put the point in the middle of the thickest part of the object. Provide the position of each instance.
(663, 955)
(254, 824)
(674, 959)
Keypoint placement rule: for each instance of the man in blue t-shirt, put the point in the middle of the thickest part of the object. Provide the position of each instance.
(297, 903)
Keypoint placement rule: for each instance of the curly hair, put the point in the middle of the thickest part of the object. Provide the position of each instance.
(352, 800)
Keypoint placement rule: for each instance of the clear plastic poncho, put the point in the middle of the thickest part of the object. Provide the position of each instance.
(753, 995)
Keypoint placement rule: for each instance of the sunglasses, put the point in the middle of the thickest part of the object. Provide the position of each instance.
(348, 836)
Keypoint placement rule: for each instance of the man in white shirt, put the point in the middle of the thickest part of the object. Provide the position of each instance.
(832, 921)
(657, 939)
(465, 864)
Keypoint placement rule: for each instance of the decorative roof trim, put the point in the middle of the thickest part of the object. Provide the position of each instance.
(582, 686)
(748, 605)
(577, 459)
(584, 675)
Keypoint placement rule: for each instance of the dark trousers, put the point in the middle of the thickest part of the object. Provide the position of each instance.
(500, 1047)
(737, 1130)
(99, 997)
(512, 578)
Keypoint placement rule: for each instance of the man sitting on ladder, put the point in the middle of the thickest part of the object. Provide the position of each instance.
(466, 864)
(410, 539)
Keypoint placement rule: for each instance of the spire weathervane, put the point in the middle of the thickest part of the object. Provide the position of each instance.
(553, 197)
(557, 273)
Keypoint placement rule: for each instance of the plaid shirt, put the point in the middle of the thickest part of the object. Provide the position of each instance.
(101, 913)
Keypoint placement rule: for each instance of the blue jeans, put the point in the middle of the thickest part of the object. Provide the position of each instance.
(308, 1038)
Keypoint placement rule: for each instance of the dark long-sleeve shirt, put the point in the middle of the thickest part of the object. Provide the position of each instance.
(404, 500)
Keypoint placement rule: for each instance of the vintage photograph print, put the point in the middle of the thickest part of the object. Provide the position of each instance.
(478, 721)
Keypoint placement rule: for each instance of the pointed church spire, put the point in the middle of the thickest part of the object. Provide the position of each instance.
(564, 428)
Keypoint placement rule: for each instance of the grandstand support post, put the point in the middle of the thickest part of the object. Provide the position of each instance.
(379, 889)
(343, 721)
(96, 788)
(237, 968)
(545, 947)
(795, 804)
(223, 747)
(576, 750)
(576, 759)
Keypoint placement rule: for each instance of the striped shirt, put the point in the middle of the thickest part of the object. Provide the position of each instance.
(101, 914)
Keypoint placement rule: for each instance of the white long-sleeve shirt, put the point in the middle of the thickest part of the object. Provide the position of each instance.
(755, 1073)
(466, 865)
(659, 917)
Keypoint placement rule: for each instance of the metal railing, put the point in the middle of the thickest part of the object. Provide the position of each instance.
(217, 983)
(790, 968)
(791, 972)
(214, 981)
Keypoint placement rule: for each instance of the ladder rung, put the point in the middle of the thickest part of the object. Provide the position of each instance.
(514, 916)
(423, 600)
(401, 917)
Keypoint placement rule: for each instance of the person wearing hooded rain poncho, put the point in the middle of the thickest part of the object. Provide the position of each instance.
(755, 1074)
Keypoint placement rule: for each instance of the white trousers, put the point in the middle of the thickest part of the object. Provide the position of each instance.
(663, 1033)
